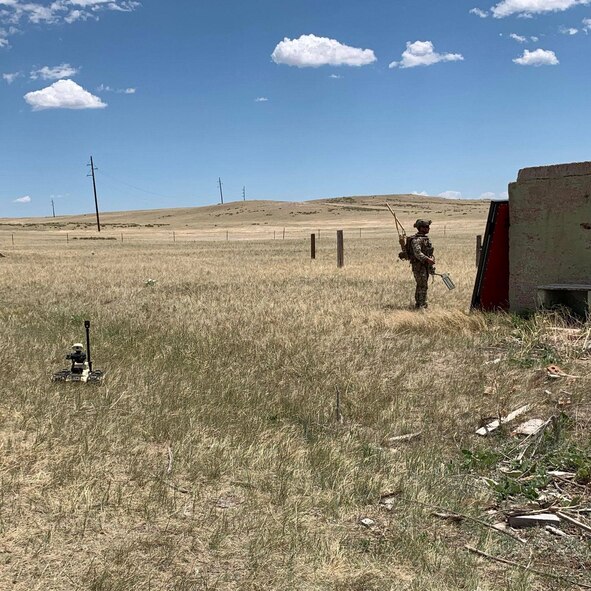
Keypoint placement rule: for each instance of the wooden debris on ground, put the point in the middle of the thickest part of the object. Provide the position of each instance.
(454, 516)
(403, 438)
(554, 372)
(530, 427)
(494, 425)
(533, 520)
(574, 521)
(556, 531)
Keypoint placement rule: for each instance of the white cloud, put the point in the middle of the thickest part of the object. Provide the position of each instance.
(19, 12)
(528, 8)
(78, 15)
(63, 94)
(422, 53)
(420, 193)
(488, 195)
(535, 39)
(107, 88)
(569, 31)
(451, 194)
(261, 99)
(518, 38)
(25, 199)
(121, 5)
(586, 24)
(11, 77)
(479, 12)
(310, 51)
(539, 57)
(335, 76)
(55, 73)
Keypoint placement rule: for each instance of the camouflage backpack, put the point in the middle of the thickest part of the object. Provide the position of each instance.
(407, 254)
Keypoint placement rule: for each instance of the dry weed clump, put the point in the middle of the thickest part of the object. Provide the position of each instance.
(213, 456)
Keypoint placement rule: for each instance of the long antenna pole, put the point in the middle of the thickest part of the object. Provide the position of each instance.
(87, 327)
(53, 208)
(98, 221)
(221, 192)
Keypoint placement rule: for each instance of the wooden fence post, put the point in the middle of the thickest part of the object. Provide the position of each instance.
(340, 249)
(478, 249)
(283, 233)
(174, 237)
(313, 246)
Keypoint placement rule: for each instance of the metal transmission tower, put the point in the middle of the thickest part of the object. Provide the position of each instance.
(221, 192)
(92, 169)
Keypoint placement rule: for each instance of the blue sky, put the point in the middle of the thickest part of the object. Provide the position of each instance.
(294, 100)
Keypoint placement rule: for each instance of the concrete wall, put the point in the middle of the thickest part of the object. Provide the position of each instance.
(550, 230)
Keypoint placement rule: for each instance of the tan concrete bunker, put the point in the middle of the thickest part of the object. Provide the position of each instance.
(550, 238)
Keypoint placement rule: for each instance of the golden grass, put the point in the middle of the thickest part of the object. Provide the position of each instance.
(211, 458)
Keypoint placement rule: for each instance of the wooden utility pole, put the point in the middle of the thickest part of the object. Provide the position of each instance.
(243, 193)
(221, 192)
(312, 246)
(92, 169)
(53, 208)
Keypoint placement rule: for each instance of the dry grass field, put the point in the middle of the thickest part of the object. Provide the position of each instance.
(213, 456)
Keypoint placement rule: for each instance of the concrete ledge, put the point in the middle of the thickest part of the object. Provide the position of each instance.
(576, 297)
(554, 171)
(566, 287)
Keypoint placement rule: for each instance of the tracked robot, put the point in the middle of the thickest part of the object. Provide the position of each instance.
(81, 364)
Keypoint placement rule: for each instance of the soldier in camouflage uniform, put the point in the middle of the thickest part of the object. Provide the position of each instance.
(421, 260)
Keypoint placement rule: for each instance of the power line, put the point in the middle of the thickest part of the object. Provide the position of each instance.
(138, 188)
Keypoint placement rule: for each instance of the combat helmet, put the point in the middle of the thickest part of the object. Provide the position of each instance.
(420, 223)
